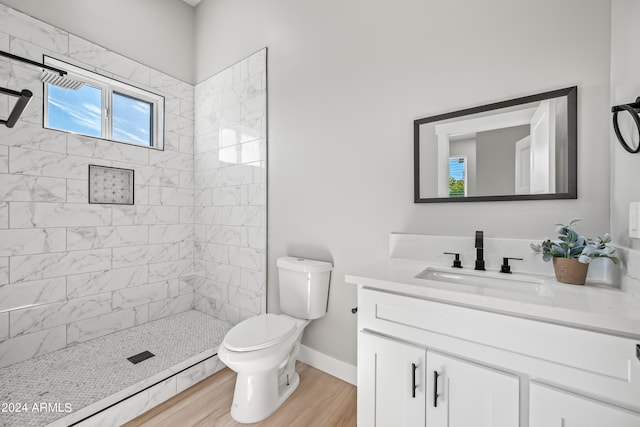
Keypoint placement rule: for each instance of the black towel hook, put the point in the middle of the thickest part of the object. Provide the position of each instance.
(633, 109)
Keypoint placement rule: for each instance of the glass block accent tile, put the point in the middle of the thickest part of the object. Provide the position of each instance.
(110, 185)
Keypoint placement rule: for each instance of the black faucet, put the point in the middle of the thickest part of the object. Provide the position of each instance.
(479, 250)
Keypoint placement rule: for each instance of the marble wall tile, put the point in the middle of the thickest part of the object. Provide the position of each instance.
(99, 326)
(29, 135)
(164, 308)
(4, 270)
(178, 124)
(169, 270)
(139, 215)
(106, 281)
(245, 299)
(32, 241)
(145, 254)
(186, 180)
(77, 191)
(79, 238)
(254, 237)
(197, 373)
(37, 32)
(212, 289)
(151, 175)
(254, 194)
(41, 163)
(4, 155)
(4, 326)
(170, 233)
(137, 295)
(100, 57)
(225, 234)
(246, 257)
(170, 196)
(249, 216)
(171, 160)
(186, 144)
(24, 294)
(4, 215)
(31, 345)
(47, 316)
(214, 252)
(255, 281)
(22, 188)
(29, 215)
(187, 249)
(41, 266)
(133, 406)
(227, 196)
(236, 175)
(85, 146)
(187, 215)
(171, 86)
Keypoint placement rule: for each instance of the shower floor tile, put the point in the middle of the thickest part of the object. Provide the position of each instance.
(85, 378)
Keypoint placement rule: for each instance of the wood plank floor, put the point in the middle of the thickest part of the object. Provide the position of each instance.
(320, 400)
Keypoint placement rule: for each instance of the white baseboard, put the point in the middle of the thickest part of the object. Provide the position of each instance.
(328, 364)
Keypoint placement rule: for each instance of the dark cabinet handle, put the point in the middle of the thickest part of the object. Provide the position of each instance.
(435, 389)
(413, 380)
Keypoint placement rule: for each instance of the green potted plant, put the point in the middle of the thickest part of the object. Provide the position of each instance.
(572, 253)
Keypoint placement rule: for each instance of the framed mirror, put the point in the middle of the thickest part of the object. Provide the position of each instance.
(520, 149)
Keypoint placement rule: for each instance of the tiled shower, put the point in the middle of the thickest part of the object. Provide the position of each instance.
(195, 237)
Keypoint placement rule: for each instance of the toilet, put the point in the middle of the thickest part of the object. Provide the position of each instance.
(262, 350)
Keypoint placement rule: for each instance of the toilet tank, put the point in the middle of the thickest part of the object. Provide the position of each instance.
(304, 287)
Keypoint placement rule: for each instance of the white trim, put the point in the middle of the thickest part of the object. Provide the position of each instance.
(328, 364)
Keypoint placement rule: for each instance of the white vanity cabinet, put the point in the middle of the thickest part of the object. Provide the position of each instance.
(391, 382)
(401, 384)
(557, 408)
(463, 394)
(492, 369)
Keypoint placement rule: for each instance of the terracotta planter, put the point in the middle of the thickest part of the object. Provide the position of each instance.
(570, 271)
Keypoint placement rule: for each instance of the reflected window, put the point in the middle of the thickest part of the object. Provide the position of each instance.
(457, 176)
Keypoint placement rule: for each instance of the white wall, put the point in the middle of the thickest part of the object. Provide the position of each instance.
(346, 81)
(157, 33)
(625, 87)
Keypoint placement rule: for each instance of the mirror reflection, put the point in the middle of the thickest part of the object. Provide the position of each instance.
(523, 149)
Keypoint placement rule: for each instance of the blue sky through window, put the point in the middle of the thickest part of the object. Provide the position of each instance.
(456, 168)
(131, 120)
(80, 111)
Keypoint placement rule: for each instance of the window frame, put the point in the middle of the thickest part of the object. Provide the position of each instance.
(109, 86)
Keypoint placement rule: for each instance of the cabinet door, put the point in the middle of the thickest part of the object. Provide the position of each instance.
(555, 408)
(391, 378)
(463, 394)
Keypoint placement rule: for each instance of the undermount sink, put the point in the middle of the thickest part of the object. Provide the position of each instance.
(480, 278)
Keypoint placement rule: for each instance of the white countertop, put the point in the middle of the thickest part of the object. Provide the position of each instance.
(589, 307)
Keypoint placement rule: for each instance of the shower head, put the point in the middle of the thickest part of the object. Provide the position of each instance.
(57, 79)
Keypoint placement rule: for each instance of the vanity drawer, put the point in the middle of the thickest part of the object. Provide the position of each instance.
(577, 358)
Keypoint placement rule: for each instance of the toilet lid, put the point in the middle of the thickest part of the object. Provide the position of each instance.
(259, 332)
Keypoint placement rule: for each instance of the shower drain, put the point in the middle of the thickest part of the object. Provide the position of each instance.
(137, 358)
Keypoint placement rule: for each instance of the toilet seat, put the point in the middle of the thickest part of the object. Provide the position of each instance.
(259, 332)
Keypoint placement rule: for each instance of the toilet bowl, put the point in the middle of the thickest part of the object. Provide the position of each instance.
(262, 350)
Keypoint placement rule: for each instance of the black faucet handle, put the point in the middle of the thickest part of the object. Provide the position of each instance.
(505, 267)
(456, 261)
(479, 240)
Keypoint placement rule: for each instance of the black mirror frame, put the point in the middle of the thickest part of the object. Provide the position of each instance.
(572, 168)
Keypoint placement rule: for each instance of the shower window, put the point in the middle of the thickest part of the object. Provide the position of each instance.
(104, 108)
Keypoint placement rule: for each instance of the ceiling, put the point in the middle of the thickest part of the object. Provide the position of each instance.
(193, 3)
